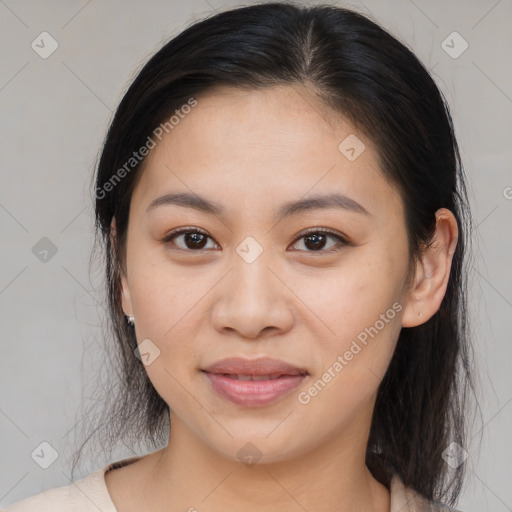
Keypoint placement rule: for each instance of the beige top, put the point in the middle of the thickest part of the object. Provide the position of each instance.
(90, 494)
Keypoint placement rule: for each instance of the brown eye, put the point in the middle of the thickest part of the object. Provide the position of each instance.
(317, 240)
(192, 239)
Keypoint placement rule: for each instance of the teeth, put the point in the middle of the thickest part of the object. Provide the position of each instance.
(253, 377)
(260, 377)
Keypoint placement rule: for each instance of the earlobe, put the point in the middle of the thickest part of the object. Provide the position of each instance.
(125, 289)
(432, 272)
(125, 296)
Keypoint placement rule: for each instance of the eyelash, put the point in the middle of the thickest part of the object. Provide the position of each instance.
(342, 241)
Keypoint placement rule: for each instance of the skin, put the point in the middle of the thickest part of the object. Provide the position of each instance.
(252, 151)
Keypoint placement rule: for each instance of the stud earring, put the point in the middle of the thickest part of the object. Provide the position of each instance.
(131, 319)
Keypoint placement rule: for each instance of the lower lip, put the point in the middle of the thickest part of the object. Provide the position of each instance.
(251, 393)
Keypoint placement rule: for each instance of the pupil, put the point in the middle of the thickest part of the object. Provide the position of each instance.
(196, 239)
(316, 238)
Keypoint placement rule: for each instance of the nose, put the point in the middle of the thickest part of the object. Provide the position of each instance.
(252, 301)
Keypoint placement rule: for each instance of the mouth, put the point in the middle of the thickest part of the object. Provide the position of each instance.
(253, 383)
(252, 377)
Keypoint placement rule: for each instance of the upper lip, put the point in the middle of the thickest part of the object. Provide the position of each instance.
(260, 366)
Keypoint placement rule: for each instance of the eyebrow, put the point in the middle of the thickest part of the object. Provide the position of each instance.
(188, 200)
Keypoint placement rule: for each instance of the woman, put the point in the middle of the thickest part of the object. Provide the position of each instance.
(283, 211)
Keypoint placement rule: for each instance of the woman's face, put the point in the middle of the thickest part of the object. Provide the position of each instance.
(249, 283)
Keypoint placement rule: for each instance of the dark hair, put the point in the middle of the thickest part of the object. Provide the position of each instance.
(360, 71)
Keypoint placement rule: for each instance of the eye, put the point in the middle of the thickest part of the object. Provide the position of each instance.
(192, 238)
(315, 240)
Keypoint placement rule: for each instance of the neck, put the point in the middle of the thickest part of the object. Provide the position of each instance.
(189, 475)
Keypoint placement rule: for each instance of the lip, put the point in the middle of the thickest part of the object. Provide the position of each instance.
(259, 366)
(282, 379)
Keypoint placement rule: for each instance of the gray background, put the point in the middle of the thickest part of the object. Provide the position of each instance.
(54, 113)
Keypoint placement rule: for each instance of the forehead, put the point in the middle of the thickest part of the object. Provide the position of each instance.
(261, 145)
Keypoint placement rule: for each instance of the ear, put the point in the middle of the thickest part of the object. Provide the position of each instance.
(432, 272)
(125, 289)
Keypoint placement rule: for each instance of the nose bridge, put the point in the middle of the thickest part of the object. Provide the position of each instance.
(252, 298)
(252, 279)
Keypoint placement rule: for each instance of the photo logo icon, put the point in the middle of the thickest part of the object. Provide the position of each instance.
(351, 147)
(249, 454)
(455, 455)
(147, 352)
(454, 45)
(44, 455)
(249, 249)
(44, 45)
(44, 250)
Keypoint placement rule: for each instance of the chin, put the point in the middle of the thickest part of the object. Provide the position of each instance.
(256, 446)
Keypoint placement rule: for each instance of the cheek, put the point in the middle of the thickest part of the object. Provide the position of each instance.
(350, 297)
(168, 309)
(359, 306)
(167, 302)
(351, 363)
(161, 292)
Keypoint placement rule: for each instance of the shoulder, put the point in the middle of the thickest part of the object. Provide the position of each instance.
(85, 495)
(405, 499)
